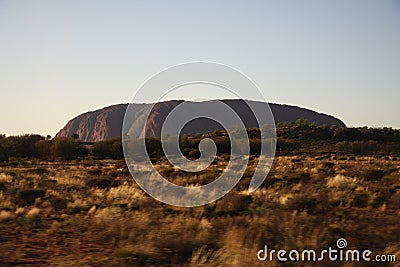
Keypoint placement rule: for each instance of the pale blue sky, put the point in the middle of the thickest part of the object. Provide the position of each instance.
(61, 58)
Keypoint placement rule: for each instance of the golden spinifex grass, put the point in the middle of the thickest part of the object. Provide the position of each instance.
(91, 212)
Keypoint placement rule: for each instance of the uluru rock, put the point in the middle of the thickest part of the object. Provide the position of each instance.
(107, 122)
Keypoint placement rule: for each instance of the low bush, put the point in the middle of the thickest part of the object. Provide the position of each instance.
(194, 154)
(373, 174)
(360, 199)
(300, 177)
(3, 186)
(99, 182)
(47, 183)
(301, 203)
(28, 196)
(233, 203)
(58, 203)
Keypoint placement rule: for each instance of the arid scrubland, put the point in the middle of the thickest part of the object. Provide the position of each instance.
(92, 213)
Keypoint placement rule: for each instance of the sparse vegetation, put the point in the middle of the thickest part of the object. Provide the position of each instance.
(292, 139)
(109, 223)
(89, 211)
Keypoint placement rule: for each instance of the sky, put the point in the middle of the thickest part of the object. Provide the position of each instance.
(61, 58)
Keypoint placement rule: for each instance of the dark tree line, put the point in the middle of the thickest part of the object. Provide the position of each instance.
(293, 138)
(36, 146)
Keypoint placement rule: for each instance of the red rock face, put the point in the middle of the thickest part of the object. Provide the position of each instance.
(107, 122)
(96, 125)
